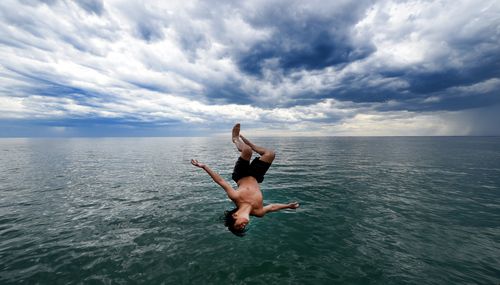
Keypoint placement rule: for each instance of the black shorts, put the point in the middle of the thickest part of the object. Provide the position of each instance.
(244, 168)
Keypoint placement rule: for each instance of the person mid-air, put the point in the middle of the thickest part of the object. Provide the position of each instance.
(248, 197)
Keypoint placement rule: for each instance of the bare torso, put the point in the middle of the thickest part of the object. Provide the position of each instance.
(249, 193)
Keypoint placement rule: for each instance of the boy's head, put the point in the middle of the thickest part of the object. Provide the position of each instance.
(235, 224)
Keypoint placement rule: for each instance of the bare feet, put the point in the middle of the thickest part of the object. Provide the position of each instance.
(236, 132)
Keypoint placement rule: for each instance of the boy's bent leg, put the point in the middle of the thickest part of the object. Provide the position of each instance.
(246, 151)
(267, 155)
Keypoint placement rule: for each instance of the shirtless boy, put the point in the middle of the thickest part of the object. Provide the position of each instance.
(248, 197)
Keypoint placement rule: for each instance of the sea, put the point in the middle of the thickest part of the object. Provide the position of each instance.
(373, 210)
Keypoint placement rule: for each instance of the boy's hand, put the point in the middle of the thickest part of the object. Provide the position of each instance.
(293, 205)
(197, 163)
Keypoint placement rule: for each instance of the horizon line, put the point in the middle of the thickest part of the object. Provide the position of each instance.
(256, 136)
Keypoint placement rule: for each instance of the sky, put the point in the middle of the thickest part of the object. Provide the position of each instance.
(280, 68)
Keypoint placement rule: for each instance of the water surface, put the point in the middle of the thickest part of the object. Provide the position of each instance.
(415, 210)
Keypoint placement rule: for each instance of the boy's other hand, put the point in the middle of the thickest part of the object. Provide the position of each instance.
(197, 163)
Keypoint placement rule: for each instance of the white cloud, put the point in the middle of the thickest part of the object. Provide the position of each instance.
(407, 33)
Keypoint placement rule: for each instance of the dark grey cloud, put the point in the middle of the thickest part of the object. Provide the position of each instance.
(149, 31)
(147, 22)
(39, 2)
(92, 6)
(306, 35)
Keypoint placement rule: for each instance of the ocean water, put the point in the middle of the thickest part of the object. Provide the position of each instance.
(395, 210)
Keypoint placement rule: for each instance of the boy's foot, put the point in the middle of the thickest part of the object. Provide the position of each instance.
(236, 132)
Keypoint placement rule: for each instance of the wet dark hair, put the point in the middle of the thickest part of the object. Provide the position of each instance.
(229, 223)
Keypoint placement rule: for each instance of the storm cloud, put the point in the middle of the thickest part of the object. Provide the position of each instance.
(279, 67)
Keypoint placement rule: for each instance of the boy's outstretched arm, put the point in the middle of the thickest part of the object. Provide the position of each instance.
(231, 193)
(277, 207)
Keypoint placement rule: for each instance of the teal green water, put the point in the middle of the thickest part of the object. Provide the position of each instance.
(415, 210)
